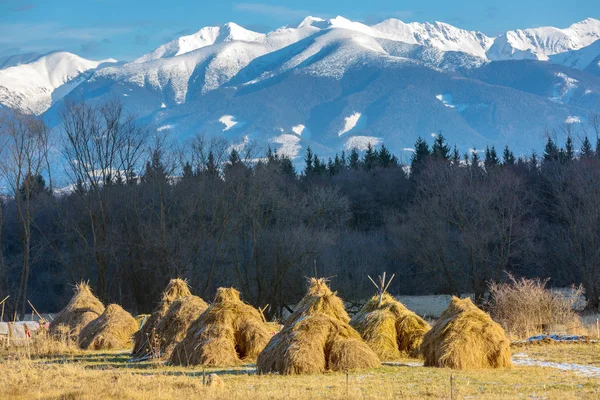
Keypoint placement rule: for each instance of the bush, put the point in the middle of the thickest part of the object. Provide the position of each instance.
(524, 306)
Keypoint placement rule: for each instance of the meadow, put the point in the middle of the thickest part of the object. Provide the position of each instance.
(570, 371)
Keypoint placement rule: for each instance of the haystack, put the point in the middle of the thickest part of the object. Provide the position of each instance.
(171, 329)
(83, 308)
(227, 333)
(113, 329)
(317, 337)
(145, 339)
(389, 328)
(465, 337)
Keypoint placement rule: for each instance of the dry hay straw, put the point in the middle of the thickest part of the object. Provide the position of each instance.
(227, 333)
(389, 328)
(465, 337)
(317, 337)
(113, 329)
(145, 338)
(171, 329)
(83, 308)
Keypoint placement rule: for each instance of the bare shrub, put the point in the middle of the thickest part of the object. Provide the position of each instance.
(524, 306)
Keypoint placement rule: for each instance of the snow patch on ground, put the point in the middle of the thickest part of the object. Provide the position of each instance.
(573, 120)
(229, 122)
(290, 145)
(585, 370)
(349, 123)
(564, 90)
(361, 142)
(298, 129)
(448, 100)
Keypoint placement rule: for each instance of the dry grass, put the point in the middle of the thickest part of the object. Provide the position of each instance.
(172, 328)
(317, 337)
(464, 337)
(83, 308)
(146, 341)
(113, 329)
(389, 328)
(99, 376)
(227, 333)
(41, 345)
(524, 306)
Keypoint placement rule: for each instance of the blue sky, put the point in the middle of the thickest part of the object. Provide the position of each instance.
(125, 29)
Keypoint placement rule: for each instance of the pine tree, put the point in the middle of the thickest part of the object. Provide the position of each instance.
(455, 156)
(234, 158)
(343, 160)
(508, 156)
(491, 158)
(420, 156)
(475, 160)
(385, 159)
(440, 149)
(533, 161)
(331, 167)
(551, 151)
(308, 162)
(569, 152)
(320, 167)
(586, 149)
(188, 171)
(354, 160)
(370, 158)
(155, 169)
(211, 166)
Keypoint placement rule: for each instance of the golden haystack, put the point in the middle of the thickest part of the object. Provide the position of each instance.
(171, 329)
(113, 329)
(145, 338)
(83, 308)
(391, 329)
(317, 337)
(227, 333)
(464, 337)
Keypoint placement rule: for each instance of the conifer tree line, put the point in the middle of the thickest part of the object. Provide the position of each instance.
(140, 209)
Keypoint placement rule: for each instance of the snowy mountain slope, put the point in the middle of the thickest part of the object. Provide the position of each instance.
(579, 59)
(540, 43)
(204, 37)
(334, 83)
(437, 35)
(347, 88)
(18, 59)
(35, 86)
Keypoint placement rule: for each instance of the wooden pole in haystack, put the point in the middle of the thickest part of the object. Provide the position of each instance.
(2, 302)
(382, 287)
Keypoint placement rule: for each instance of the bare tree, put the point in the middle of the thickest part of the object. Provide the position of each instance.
(23, 161)
(102, 146)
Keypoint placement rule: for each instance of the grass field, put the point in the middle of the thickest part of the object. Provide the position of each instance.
(102, 375)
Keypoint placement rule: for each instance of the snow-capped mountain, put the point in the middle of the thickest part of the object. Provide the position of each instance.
(35, 86)
(335, 84)
(540, 43)
(438, 35)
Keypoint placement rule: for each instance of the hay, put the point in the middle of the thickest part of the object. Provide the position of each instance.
(317, 337)
(83, 308)
(227, 333)
(389, 328)
(113, 329)
(145, 339)
(464, 337)
(172, 327)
